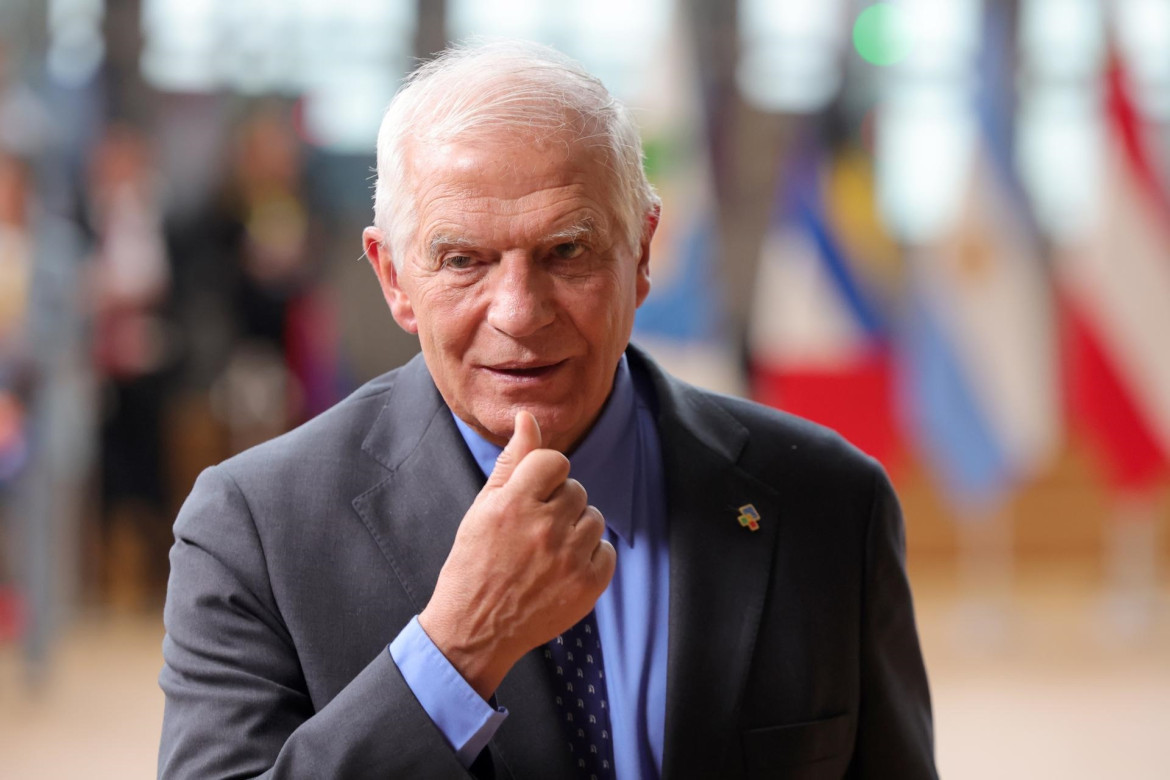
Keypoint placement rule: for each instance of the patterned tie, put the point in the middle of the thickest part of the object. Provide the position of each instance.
(574, 658)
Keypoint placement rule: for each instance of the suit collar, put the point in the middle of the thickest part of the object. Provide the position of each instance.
(411, 410)
(692, 410)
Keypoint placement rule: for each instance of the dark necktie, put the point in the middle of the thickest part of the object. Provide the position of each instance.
(574, 659)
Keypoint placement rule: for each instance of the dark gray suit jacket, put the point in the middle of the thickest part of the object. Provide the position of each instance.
(793, 650)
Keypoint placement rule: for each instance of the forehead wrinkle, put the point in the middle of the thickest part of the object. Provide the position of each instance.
(446, 198)
(458, 202)
(462, 229)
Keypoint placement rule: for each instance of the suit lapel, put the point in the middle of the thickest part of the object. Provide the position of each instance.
(414, 514)
(719, 573)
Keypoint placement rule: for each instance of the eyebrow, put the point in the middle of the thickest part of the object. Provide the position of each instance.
(443, 242)
(573, 232)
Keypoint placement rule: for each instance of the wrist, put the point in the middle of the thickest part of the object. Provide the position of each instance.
(479, 661)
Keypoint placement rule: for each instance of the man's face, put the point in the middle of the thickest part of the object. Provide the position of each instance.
(517, 281)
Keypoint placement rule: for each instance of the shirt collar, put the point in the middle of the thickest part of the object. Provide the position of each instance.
(605, 461)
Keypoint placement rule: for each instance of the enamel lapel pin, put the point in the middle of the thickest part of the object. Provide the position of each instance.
(749, 517)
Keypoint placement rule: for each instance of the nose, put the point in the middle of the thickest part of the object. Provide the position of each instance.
(521, 301)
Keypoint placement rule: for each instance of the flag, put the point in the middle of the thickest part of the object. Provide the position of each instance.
(977, 352)
(977, 355)
(818, 339)
(1115, 294)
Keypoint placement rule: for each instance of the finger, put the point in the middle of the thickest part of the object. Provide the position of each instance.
(602, 564)
(525, 439)
(570, 498)
(589, 525)
(540, 475)
(587, 536)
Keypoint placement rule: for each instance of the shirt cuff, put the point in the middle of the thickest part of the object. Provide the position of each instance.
(464, 718)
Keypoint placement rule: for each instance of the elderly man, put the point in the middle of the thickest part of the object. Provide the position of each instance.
(412, 584)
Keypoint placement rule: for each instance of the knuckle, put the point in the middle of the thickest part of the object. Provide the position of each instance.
(576, 491)
(591, 522)
(557, 462)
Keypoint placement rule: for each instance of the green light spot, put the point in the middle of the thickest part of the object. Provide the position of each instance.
(879, 35)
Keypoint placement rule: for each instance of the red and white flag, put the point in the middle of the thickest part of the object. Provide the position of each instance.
(1115, 291)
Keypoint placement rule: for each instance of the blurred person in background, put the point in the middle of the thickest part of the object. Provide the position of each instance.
(256, 339)
(718, 591)
(266, 235)
(273, 223)
(130, 277)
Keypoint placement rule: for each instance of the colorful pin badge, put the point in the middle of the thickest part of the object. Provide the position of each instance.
(749, 517)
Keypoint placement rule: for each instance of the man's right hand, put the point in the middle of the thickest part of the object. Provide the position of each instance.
(528, 563)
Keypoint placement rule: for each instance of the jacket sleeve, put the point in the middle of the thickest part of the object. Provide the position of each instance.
(236, 701)
(895, 735)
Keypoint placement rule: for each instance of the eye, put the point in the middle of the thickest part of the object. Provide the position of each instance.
(458, 262)
(568, 251)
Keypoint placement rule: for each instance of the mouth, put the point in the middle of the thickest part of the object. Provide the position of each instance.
(526, 371)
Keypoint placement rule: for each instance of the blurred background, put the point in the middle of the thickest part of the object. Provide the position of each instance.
(939, 226)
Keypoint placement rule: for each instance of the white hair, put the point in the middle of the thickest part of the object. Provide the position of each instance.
(501, 87)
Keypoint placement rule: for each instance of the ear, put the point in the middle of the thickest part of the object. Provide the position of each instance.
(649, 225)
(378, 253)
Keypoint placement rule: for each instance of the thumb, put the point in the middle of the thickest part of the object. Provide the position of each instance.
(525, 439)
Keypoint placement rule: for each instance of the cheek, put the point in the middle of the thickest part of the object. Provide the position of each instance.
(449, 320)
(611, 303)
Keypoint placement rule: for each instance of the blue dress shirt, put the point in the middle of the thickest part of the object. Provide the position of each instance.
(620, 464)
